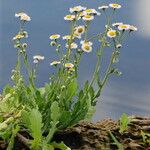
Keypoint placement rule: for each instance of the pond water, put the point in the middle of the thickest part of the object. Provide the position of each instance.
(129, 93)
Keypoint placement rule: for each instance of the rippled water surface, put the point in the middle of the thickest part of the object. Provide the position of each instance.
(129, 93)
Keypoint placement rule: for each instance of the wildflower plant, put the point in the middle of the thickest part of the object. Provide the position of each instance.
(63, 102)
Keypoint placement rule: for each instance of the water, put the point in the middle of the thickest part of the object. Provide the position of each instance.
(129, 93)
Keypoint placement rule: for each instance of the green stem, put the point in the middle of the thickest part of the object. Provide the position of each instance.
(87, 25)
(97, 68)
(104, 79)
(31, 78)
(71, 40)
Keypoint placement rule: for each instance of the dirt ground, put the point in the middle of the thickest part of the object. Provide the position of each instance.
(90, 136)
(96, 136)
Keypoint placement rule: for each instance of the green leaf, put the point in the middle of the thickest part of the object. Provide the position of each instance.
(145, 137)
(55, 114)
(12, 138)
(90, 113)
(81, 94)
(55, 111)
(65, 119)
(36, 127)
(86, 86)
(39, 100)
(33, 121)
(6, 89)
(6, 132)
(91, 92)
(124, 121)
(72, 88)
(61, 146)
(119, 145)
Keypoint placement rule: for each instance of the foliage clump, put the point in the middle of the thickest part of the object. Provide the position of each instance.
(63, 102)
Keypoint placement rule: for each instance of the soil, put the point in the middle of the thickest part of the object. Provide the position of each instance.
(96, 136)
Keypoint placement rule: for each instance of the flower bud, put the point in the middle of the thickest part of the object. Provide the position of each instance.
(24, 45)
(53, 43)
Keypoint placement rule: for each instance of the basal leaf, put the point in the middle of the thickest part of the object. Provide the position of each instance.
(55, 111)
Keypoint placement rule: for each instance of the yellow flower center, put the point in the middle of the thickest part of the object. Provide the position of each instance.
(54, 36)
(112, 33)
(88, 16)
(123, 26)
(87, 47)
(80, 30)
(115, 5)
(69, 16)
(88, 10)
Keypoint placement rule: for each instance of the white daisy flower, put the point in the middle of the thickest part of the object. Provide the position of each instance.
(77, 9)
(86, 42)
(19, 14)
(133, 28)
(23, 16)
(88, 17)
(79, 30)
(69, 65)
(38, 57)
(115, 6)
(66, 37)
(55, 63)
(73, 45)
(112, 33)
(104, 7)
(35, 61)
(92, 12)
(124, 27)
(117, 24)
(69, 17)
(54, 36)
(86, 47)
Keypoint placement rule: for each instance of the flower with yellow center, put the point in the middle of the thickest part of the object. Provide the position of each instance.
(124, 27)
(86, 47)
(86, 42)
(54, 36)
(23, 16)
(73, 46)
(69, 17)
(18, 37)
(66, 37)
(69, 65)
(19, 14)
(133, 28)
(79, 30)
(38, 58)
(91, 12)
(55, 63)
(112, 33)
(117, 24)
(115, 6)
(88, 17)
(77, 9)
(104, 7)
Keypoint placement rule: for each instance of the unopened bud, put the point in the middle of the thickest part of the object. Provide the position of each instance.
(53, 43)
